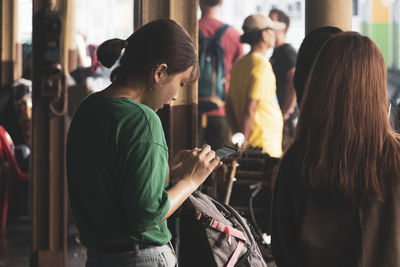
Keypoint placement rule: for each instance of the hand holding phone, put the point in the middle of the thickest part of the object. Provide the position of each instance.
(225, 152)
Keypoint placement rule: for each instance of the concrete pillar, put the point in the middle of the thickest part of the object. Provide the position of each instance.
(180, 120)
(321, 13)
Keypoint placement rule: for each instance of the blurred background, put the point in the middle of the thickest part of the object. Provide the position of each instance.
(91, 23)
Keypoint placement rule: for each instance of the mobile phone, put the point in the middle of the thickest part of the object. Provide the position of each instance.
(225, 152)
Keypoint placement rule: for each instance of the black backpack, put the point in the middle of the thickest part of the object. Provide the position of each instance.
(213, 234)
(212, 71)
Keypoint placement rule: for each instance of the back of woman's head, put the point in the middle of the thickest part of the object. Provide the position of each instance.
(210, 2)
(343, 132)
(307, 53)
(157, 42)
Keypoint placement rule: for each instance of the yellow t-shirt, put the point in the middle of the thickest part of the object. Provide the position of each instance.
(252, 77)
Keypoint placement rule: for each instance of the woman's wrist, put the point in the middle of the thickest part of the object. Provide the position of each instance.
(191, 182)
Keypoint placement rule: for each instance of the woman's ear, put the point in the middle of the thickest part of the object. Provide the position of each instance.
(160, 73)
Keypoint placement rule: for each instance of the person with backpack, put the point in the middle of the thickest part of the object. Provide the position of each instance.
(117, 157)
(252, 105)
(219, 48)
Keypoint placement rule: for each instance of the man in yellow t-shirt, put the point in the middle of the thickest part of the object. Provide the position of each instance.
(252, 105)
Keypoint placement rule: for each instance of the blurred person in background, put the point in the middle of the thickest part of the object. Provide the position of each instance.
(283, 62)
(252, 106)
(213, 127)
(308, 51)
(84, 59)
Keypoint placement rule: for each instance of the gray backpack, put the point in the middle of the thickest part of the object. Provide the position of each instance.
(213, 234)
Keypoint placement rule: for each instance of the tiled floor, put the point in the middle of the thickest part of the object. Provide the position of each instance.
(15, 246)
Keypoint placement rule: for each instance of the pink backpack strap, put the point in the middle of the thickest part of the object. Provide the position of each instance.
(229, 231)
(235, 256)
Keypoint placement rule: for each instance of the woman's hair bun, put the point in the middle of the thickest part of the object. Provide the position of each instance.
(109, 51)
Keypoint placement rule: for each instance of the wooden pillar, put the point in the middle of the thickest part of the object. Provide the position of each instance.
(69, 39)
(184, 113)
(321, 13)
(48, 170)
(17, 56)
(1, 44)
(181, 118)
(8, 39)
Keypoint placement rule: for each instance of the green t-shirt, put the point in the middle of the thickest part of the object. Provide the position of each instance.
(117, 168)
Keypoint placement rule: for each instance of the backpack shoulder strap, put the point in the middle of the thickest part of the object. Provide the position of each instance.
(203, 43)
(220, 32)
(200, 34)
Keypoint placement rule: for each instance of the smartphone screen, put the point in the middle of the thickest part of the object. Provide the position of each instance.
(225, 152)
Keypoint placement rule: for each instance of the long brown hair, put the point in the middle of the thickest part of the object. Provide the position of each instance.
(344, 141)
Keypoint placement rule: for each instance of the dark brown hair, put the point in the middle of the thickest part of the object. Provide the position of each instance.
(282, 17)
(251, 38)
(308, 51)
(160, 41)
(210, 2)
(344, 141)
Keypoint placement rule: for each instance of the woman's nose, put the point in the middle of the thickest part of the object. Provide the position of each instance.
(175, 97)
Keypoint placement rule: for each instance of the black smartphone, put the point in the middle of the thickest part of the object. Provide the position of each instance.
(225, 152)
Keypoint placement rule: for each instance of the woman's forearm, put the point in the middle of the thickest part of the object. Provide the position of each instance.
(197, 166)
(178, 194)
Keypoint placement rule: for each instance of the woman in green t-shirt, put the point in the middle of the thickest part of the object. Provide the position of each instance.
(117, 157)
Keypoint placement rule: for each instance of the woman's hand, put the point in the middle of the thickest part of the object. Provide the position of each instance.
(198, 164)
(191, 168)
